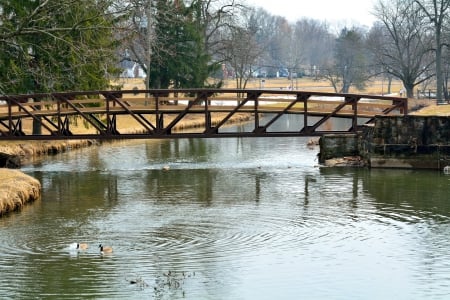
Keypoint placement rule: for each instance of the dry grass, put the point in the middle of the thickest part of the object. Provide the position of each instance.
(17, 189)
(26, 150)
(431, 109)
(378, 87)
(308, 84)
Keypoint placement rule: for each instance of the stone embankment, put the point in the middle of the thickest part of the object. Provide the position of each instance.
(413, 142)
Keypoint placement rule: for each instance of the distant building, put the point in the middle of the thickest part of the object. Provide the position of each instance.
(131, 69)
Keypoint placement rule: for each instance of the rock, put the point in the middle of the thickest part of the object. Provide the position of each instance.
(346, 161)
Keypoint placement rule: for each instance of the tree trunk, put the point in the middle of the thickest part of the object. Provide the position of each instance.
(389, 84)
(439, 79)
(149, 16)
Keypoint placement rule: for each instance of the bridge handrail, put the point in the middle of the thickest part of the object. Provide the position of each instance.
(52, 110)
(162, 95)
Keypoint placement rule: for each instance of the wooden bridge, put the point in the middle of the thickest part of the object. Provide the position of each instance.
(147, 114)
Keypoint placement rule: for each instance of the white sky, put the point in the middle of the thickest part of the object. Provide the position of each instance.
(346, 12)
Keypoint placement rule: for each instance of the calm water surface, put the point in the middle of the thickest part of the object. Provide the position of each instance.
(231, 219)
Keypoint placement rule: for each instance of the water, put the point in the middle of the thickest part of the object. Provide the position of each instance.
(231, 219)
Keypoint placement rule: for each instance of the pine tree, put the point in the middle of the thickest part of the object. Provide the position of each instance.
(179, 56)
(55, 45)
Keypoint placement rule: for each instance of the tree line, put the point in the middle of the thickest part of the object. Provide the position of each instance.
(65, 45)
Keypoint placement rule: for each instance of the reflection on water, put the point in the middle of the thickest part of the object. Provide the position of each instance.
(230, 219)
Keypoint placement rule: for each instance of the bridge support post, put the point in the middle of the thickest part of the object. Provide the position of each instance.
(159, 122)
(208, 123)
(37, 129)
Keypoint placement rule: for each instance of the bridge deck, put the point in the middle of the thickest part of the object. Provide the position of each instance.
(158, 113)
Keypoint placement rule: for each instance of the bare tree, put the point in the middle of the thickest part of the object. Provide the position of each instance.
(400, 43)
(349, 67)
(267, 37)
(144, 32)
(242, 53)
(446, 72)
(317, 44)
(137, 35)
(217, 17)
(437, 12)
(292, 50)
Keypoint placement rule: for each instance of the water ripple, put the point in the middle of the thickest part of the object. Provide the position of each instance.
(251, 220)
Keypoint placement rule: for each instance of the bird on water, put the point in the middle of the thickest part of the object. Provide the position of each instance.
(78, 246)
(105, 249)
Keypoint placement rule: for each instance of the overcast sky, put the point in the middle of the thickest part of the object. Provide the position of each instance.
(348, 12)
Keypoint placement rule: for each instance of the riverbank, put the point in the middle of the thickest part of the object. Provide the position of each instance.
(17, 188)
(14, 153)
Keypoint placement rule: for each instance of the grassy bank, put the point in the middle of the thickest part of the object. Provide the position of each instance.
(28, 150)
(17, 189)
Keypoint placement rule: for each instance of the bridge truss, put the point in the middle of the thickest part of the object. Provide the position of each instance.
(147, 114)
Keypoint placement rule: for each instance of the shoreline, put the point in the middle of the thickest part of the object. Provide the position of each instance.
(18, 189)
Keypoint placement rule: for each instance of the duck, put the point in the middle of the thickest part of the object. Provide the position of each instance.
(78, 246)
(82, 246)
(105, 249)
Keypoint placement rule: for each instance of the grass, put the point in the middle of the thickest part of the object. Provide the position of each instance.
(431, 109)
(378, 87)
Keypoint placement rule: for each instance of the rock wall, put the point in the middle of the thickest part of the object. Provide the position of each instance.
(414, 142)
(338, 146)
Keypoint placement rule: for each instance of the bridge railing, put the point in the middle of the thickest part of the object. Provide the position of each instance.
(161, 113)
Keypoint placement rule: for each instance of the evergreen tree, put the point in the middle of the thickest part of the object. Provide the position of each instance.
(55, 45)
(179, 57)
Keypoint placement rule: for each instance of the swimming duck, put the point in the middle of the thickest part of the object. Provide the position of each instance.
(82, 246)
(105, 249)
(78, 246)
